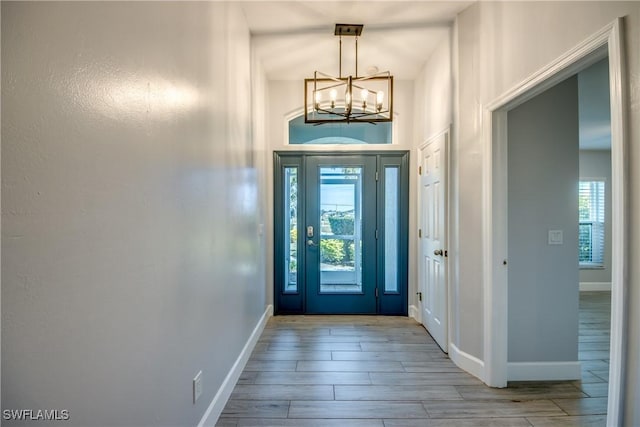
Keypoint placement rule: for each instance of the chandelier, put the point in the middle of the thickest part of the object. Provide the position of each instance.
(329, 99)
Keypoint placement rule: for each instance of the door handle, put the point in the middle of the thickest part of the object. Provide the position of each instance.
(311, 243)
(438, 252)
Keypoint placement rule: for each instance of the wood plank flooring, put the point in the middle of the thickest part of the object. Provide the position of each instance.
(367, 371)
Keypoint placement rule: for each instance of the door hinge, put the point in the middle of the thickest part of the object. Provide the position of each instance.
(377, 176)
(376, 234)
(420, 233)
(376, 292)
(419, 170)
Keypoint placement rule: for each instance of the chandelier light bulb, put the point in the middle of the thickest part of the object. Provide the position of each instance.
(365, 94)
(333, 95)
(379, 99)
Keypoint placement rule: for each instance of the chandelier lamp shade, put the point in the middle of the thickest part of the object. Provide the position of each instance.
(350, 99)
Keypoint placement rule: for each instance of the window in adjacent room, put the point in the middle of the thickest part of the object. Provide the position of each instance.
(591, 228)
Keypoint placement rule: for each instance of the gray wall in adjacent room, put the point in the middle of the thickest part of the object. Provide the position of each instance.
(594, 108)
(543, 196)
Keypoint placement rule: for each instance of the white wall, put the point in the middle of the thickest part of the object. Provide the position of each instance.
(499, 45)
(543, 177)
(263, 159)
(130, 249)
(597, 164)
(433, 102)
(467, 151)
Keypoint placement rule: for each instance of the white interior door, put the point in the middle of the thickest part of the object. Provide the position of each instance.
(433, 238)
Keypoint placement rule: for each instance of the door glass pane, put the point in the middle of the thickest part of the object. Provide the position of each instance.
(391, 229)
(291, 229)
(340, 229)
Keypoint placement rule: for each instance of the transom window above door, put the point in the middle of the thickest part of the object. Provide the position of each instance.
(301, 133)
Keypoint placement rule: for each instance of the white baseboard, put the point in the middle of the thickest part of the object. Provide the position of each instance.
(216, 406)
(414, 313)
(543, 371)
(465, 361)
(595, 286)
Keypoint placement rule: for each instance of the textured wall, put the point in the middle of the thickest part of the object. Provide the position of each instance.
(467, 155)
(433, 100)
(130, 247)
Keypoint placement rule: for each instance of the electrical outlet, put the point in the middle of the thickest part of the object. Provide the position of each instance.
(197, 387)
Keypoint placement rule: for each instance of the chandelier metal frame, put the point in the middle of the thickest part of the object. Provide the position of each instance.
(329, 99)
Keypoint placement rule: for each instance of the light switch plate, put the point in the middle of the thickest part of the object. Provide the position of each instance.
(555, 237)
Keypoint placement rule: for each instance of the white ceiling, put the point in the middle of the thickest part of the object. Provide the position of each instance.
(295, 38)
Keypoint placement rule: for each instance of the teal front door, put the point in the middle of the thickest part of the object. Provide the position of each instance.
(341, 233)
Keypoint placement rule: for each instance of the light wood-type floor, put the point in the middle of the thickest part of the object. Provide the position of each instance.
(326, 371)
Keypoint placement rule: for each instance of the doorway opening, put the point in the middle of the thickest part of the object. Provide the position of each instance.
(606, 43)
(594, 228)
(341, 227)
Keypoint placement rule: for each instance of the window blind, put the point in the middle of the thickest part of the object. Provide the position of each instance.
(591, 228)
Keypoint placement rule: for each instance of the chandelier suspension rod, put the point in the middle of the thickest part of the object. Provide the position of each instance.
(356, 56)
(340, 70)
